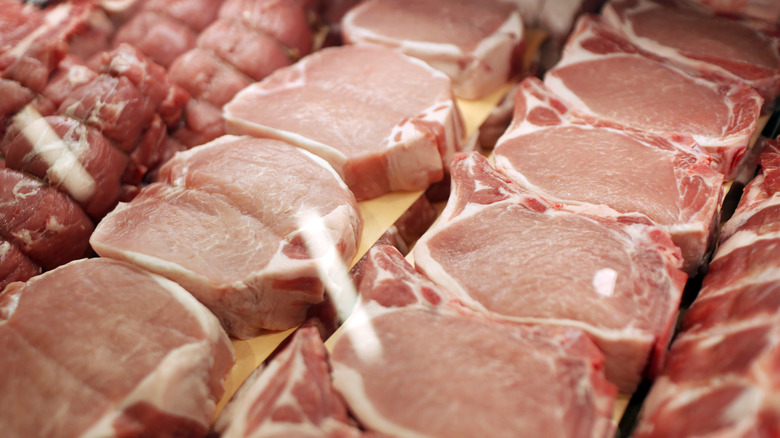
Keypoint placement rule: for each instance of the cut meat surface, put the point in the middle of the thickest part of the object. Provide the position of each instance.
(410, 361)
(284, 20)
(244, 224)
(761, 9)
(614, 276)
(290, 396)
(604, 76)
(14, 265)
(565, 158)
(719, 380)
(45, 224)
(72, 157)
(708, 44)
(386, 122)
(148, 29)
(144, 359)
(477, 44)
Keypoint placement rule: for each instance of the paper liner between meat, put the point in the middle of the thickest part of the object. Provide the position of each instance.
(254, 228)
(513, 255)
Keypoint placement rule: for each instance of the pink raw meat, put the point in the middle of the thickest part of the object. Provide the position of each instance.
(604, 76)
(701, 42)
(721, 376)
(765, 10)
(45, 224)
(614, 276)
(14, 265)
(244, 224)
(254, 53)
(565, 158)
(284, 20)
(158, 36)
(384, 121)
(292, 395)
(123, 352)
(477, 44)
(71, 156)
(411, 361)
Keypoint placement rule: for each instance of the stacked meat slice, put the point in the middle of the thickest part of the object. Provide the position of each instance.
(720, 380)
(477, 44)
(602, 75)
(385, 121)
(411, 361)
(100, 348)
(614, 276)
(254, 228)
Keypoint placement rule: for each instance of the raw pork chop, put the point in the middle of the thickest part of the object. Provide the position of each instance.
(701, 42)
(101, 348)
(585, 266)
(565, 158)
(766, 10)
(720, 377)
(385, 121)
(476, 44)
(290, 396)
(244, 224)
(412, 362)
(604, 76)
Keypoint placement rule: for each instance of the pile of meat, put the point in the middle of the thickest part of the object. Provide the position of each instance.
(219, 173)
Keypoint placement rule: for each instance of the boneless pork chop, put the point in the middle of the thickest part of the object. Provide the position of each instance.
(513, 255)
(603, 75)
(475, 43)
(245, 224)
(412, 362)
(565, 158)
(383, 120)
(101, 348)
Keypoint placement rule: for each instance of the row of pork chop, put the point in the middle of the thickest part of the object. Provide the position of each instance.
(614, 170)
(620, 290)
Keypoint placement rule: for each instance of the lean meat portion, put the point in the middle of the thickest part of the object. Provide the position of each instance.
(290, 396)
(565, 158)
(14, 265)
(701, 42)
(384, 121)
(101, 348)
(249, 40)
(71, 156)
(252, 227)
(765, 10)
(477, 44)
(411, 361)
(614, 276)
(720, 376)
(602, 75)
(45, 224)
(33, 41)
(759, 207)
